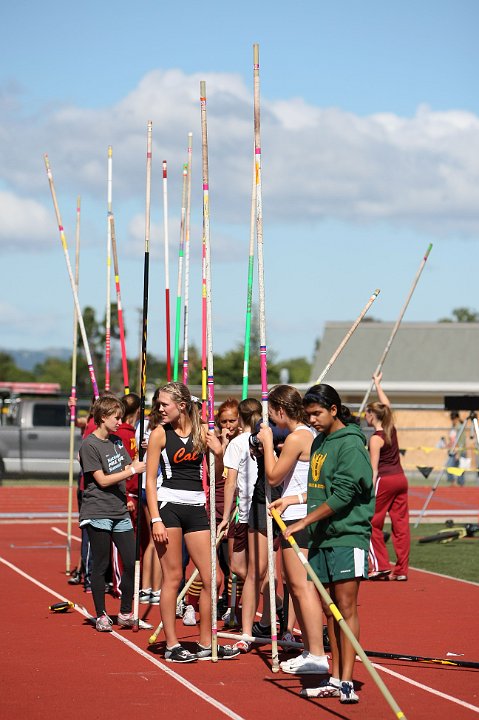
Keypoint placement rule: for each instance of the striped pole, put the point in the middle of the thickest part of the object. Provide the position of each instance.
(187, 264)
(181, 253)
(394, 330)
(347, 337)
(121, 324)
(211, 385)
(73, 395)
(63, 240)
(108, 275)
(141, 451)
(167, 272)
(262, 350)
(341, 621)
(249, 292)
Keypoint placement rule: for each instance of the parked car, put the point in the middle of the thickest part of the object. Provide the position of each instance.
(35, 438)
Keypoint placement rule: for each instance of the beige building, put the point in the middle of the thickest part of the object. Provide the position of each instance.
(426, 362)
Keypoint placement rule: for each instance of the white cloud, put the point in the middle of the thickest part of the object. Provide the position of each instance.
(25, 223)
(318, 163)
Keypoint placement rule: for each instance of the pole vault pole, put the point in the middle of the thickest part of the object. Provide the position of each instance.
(73, 395)
(262, 350)
(108, 274)
(249, 291)
(395, 329)
(121, 324)
(210, 369)
(179, 287)
(187, 264)
(347, 337)
(141, 451)
(63, 239)
(167, 272)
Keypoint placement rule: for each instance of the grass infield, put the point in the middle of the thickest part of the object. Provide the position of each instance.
(458, 558)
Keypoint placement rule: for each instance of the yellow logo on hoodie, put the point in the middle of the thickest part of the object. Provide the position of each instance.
(317, 462)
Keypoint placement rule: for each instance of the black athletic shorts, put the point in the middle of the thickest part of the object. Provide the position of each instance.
(190, 518)
(301, 537)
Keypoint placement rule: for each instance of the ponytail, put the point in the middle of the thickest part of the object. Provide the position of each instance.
(384, 415)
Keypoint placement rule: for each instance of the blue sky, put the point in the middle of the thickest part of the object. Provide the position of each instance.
(370, 138)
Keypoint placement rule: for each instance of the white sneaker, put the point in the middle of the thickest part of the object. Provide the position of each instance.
(154, 597)
(347, 694)
(326, 689)
(189, 616)
(144, 596)
(292, 662)
(306, 664)
(180, 608)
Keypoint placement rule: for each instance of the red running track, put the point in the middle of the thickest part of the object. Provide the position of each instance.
(58, 666)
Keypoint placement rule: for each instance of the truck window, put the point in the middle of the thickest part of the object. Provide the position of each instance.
(50, 415)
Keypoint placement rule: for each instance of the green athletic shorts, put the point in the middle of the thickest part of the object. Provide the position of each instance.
(340, 563)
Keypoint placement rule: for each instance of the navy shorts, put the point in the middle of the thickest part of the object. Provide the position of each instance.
(190, 518)
(301, 537)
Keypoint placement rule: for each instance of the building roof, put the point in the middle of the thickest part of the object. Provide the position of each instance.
(424, 357)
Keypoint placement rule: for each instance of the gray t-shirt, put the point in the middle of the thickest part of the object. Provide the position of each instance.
(110, 456)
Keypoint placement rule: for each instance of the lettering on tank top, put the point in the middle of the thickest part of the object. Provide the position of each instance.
(317, 462)
(182, 456)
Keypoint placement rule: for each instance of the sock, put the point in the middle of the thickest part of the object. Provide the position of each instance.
(194, 594)
(173, 647)
(146, 590)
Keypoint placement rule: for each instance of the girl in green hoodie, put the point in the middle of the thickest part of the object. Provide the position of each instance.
(340, 501)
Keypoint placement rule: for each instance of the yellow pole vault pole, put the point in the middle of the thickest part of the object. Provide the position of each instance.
(341, 621)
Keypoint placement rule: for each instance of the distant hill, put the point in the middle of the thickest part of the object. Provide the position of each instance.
(27, 359)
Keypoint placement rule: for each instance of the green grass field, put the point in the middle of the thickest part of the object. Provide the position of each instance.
(459, 558)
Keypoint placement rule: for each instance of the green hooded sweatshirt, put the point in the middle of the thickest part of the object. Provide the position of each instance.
(340, 475)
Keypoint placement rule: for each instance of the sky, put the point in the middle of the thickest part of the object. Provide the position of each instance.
(370, 152)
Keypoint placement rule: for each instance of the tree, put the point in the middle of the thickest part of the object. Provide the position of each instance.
(462, 315)
(9, 372)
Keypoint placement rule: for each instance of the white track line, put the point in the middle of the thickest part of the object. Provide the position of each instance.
(62, 532)
(448, 577)
(440, 694)
(207, 698)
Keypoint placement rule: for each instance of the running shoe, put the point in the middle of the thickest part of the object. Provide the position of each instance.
(75, 577)
(155, 597)
(127, 620)
(104, 623)
(243, 645)
(288, 637)
(144, 596)
(398, 578)
(294, 661)
(180, 608)
(347, 694)
(178, 654)
(189, 617)
(379, 575)
(326, 689)
(261, 631)
(307, 664)
(225, 652)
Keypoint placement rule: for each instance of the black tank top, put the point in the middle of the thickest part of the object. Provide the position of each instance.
(181, 465)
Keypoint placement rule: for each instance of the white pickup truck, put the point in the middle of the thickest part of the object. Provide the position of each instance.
(35, 438)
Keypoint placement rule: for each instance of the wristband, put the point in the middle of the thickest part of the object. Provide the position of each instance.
(155, 520)
(132, 470)
(300, 498)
